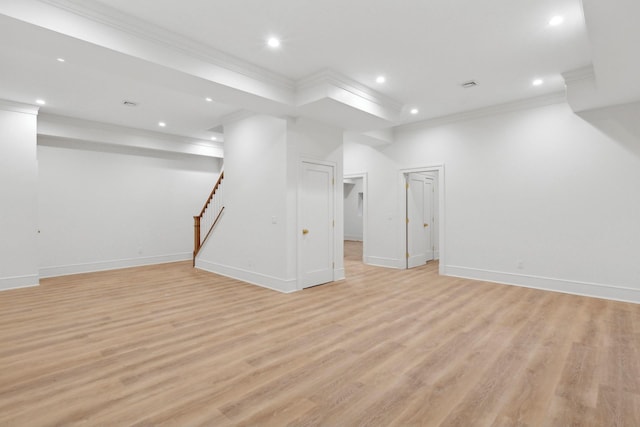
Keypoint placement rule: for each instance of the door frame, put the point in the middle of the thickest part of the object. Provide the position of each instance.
(402, 208)
(365, 211)
(298, 229)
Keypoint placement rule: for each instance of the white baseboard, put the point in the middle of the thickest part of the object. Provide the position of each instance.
(17, 282)
(436, 255)
(597, 290)
(65, 270)
(384, 262)
(339, 274)
(274, 283)
(353, 238)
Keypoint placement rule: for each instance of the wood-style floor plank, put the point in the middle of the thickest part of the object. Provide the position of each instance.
(170, 345)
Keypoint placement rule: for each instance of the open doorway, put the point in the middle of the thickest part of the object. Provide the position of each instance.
(423, 206)
(355, 218)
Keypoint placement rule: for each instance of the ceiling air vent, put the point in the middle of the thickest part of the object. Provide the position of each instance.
(469, 84)
(129, 103)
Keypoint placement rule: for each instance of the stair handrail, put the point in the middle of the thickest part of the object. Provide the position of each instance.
(198, 240)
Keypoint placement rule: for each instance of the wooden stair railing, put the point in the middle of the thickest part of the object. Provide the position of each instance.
(209, 215)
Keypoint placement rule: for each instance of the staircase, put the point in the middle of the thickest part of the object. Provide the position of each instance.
(209, 215)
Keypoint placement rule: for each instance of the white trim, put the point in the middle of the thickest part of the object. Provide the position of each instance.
(441, 213)
(583, 73)
(365, 211)
(65, 270)
(18, 107)
(54, 130)
(596, 290)
(339, 274)
(385, 262)
(340, 81)
(351, 238)
(523, 104)
(18, 282)
(232, 117)
(274, 283)
(144, 30)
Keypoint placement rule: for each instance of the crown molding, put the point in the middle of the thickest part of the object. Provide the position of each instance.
(336, 79)
(139, 28)
(63, 127)
(18, 107)
(583, 73)
(230, 118)
(522, 104)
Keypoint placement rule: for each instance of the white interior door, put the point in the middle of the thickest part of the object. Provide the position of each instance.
(428, 217)
(419, 219)
(316, 224)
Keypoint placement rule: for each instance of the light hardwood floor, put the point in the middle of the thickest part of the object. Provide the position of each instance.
(172, 345)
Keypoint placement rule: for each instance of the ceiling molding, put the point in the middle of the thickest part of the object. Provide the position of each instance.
(18, 107)
(54, 126)
(583, 73)
(523, 104)
(343, 82)
(230, 118)
(139, 28)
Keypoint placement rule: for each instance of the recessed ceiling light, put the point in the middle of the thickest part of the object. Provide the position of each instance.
(556, 20)
(40, 101)
(273, 42)
(381, 79)
(60, 59)
(537, 82)
(414, 111)
(208, 99)
(162, 124)
(213, 138)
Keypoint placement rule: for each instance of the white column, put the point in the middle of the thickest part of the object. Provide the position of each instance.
(18, 195)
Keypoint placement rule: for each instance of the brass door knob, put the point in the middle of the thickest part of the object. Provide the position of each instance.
(426, 225)
(305, 231)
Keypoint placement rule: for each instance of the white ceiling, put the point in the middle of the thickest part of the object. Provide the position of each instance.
(93, 82)
(169, 56)
(424, 48)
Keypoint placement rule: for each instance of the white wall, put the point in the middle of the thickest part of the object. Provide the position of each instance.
(250, 240)
(384, 213)
(18, 196)
(104, 207)
(311, 140)
(256, 239)
(353, 219)
(538, 197)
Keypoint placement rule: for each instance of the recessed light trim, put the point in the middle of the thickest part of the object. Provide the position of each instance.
(60, 59)
(273, 42)
(556, 20)
(213, 138)
(162, 124)
(537, 82)
(40, 101)
(208, 99)
(381, 79)
(414, 111)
